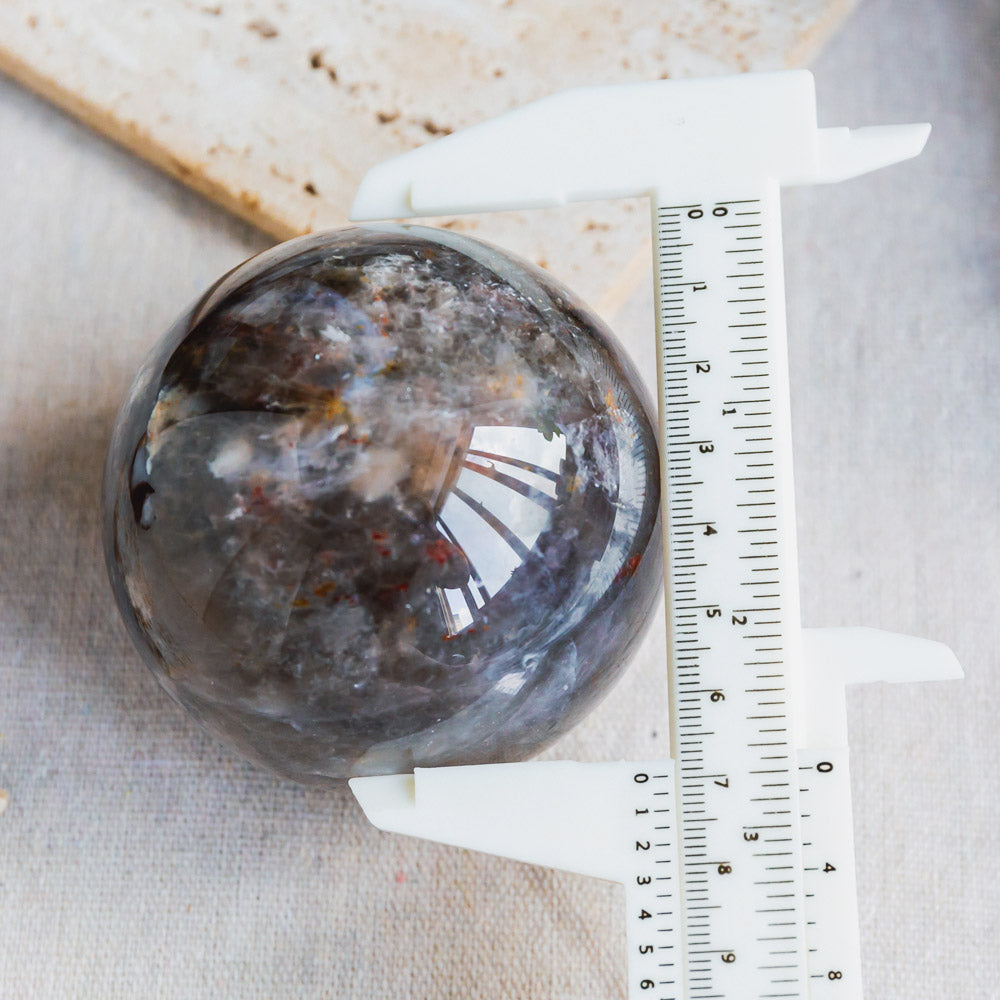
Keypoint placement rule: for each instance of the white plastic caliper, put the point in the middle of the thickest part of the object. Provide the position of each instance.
(736, 854)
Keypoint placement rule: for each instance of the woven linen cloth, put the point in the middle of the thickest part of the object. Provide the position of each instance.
(140, 859)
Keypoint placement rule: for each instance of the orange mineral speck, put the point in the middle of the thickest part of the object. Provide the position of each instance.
(609, 401)
(628, 570)
(440, 551)
(258, 499)
(333, 407)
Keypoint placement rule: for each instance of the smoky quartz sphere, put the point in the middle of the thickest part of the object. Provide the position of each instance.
(384, 498)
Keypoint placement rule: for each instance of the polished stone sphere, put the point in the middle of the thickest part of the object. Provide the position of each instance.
(384, 498)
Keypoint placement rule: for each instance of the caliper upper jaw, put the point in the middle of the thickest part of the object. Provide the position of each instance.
(627, 140)
(836, 657)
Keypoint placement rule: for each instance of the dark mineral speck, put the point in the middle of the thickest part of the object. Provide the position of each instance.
(384, 498)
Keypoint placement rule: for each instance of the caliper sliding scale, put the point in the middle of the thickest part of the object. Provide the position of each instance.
(736, 854)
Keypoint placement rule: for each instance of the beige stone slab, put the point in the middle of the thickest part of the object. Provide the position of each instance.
(275, 108)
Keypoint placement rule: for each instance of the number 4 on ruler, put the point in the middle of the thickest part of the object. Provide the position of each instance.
(736, 854)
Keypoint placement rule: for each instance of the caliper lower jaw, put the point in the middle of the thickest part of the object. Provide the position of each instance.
(543, 812)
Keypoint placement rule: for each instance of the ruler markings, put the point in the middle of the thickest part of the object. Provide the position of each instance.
(698, 785)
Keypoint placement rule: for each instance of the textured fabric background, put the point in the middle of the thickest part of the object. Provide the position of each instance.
(139, 859)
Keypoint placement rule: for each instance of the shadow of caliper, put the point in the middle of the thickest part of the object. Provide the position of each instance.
(736, 854)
